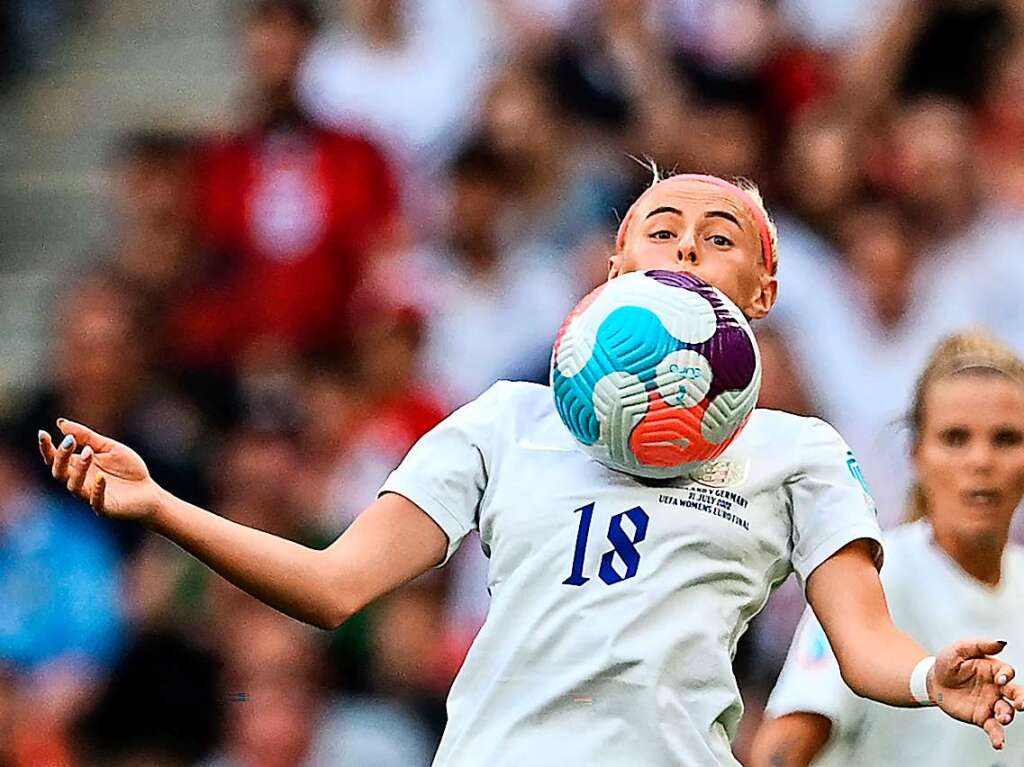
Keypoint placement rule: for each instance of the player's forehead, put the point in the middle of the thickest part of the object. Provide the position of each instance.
(976, 399)
(694, 198)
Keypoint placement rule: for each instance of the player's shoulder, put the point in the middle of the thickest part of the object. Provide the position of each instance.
(786, 431)
(513, 401)
(792, 447)
(520, 411)
(517, 395)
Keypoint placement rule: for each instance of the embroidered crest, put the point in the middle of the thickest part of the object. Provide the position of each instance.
(723, 473)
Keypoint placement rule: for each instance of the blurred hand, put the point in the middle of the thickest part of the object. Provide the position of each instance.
(971, 687)
(109, 476)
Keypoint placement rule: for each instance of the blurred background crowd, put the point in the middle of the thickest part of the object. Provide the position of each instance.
(272, 274)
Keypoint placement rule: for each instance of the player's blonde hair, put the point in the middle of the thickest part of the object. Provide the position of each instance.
(750, 192)
(969, 352)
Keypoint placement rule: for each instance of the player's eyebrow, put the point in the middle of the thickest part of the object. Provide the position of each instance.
(664, 209)
(723, 214)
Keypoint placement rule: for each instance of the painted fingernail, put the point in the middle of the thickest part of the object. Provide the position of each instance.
(1001, 643)
(86, 452)
(41, 435)
(1001, 679)
(67, 442)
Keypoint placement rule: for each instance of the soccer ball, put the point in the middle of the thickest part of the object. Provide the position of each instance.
(655, 373)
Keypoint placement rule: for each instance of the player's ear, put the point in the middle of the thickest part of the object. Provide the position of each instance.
(614, 265)
(764, 298)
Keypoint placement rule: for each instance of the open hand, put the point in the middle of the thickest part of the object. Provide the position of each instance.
(972, 687)
(109, 476)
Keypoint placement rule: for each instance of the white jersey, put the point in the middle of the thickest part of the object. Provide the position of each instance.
(935, 602)
(616, 606)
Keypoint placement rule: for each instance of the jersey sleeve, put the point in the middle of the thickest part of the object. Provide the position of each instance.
(445, 473)
(810, 681)
(831, 503)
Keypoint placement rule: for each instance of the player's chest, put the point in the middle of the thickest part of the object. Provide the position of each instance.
(937, 617)
(578, 519)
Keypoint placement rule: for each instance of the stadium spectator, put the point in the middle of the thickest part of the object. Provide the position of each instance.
(101, 360)
(153, 250)
(395, 407)
(280, 715)
(997, 235)
(557, 190)
(409, 73)
(289, 212)
(413, 658)
(610, 70)
(820, 171)
(492, 301)
(925, 163)
(1001, 132)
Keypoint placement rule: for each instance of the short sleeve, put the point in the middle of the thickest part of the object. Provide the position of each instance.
(445, 472)
(810, 681)
(831, 503)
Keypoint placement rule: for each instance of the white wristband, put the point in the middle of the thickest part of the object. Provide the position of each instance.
(919, 681)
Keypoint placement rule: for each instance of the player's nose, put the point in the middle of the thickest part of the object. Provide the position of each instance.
(686, 250)
(980, 457)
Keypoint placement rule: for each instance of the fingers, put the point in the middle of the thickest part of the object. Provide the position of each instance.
(61, 457)
(97, 498)
(71, 469)
(79, 469)
(1014, 694)
(1003, 712)
(978, 648)
(1003, 674)
(995, 733)
(84, 435)
(46, 448)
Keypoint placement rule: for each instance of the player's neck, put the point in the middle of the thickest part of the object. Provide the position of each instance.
(980, 556)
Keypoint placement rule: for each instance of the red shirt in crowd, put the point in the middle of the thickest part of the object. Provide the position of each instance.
(287, 218)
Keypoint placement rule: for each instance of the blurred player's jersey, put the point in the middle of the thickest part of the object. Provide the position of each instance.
(935, 602)
(616, 606)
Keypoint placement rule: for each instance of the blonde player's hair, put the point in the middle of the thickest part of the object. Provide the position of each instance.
(969, 352)
(745, 185)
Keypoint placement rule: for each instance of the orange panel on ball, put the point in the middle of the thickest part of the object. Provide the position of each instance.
(669, 435)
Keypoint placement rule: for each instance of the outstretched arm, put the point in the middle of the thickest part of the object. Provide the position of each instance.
(876, 658)
(392, 542)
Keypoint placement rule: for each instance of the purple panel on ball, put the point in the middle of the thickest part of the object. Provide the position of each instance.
(687, 281)
(730, 349)
(733, 362)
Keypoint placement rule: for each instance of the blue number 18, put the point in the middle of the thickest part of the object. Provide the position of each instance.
(623, 546)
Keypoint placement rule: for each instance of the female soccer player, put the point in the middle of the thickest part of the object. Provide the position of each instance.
(967, 423)
(616, 605)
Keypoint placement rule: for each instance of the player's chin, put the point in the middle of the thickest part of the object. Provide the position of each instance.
(980, 524)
